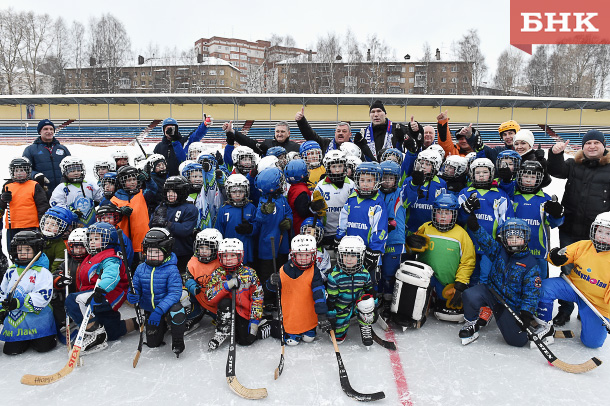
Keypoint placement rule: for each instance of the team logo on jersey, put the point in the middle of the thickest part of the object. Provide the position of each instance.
(538, 282)
(437, 193)
(84, 205)
(32, 278)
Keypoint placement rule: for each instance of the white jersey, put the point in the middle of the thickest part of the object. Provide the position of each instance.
(335, 200)
(78, 197)
(323, 262)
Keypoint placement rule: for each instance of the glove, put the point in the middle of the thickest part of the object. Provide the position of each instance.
(231, 138)
(6, 196)
(219, 159)
(253, 327)
(97, 298)
(159, 217)
(61, 281)
(78, 213)
(274, 279)
(42, 180)
(318, 204)
(391, 225)
(472, 203)
(358, 138)
(324, 323)
(417, 178)
(456, 301)
(143, 177)
(478, 140)
(173, 133)
(505, 174)
(539, 153)
(133, 298)
(371, 259)
(231, 283)
(3, 314)
(285, 225)
(11, 304)
(410, 145)
(218, 174)
(192, 286)
(417, 243)
(254, 172)
(244, 228)
(472, 223)
(268, 208)
(126, 211)
(553, 207)
(527, 318)
(155, 317)
(558, 256)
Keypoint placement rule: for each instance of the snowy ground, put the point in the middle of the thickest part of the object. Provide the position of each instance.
(437, 368)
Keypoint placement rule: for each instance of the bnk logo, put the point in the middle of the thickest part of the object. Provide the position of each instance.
(558, 22)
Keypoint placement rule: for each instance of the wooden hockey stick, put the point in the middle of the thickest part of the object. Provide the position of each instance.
(550, 357)
(587, 302)
(234, 384)
(27, 268)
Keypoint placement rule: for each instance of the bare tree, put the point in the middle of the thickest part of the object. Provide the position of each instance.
(35, 46)
(11, 36)
(77, 55)
(378, 52)
(55, 63)
(469, 50)
(537, 73)
(328, 55)
(509, 73)
(353, 58)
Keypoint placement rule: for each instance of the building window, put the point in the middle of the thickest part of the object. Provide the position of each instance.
(411, 80)
(221, 72)
(362, 80)
(222, 82)
(443, 90)
(411, 68)
(431, 80)
(454, 69)
(212, 71)
(454, 80)
(464, 79)
(444, 69)
(443, 80)
(453, 91)
(234, 56)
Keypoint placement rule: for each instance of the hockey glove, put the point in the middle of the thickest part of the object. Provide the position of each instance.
(318, 204)
(391, 225)
(155, 317)
(61, 281)
(417, 178)
(42, 180)
(455, 301)
(410, 145)
(133, 298)
(553, 207)
(143, 177)
(268, 207)
(558, 256)
(97, 298)
(11, 304)
(324, 324)
(219, 174)
(539, 153)
(126, 211)
(527, 318)
(505, 174)
(192, 286)
(219, 159)
(3, 315)
(371, 259)
(231, 283)
(253, 327)
(417, 243)
(244, 228)
(358, 138)
(472, 223)
(477, 140)
(6, 196)
(274, 279)
(472, 203)
(285, 224)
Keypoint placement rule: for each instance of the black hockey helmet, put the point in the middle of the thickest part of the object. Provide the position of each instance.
(160, 238)
(178, 184)
(33, 239)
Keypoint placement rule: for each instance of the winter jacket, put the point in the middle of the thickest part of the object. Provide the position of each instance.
(382, 136)
(110, 269)
(182, 220)
(366, 218)
(230, 217)
(262, 147)
(249, 299)
(344, 290)
(417, 201)
(29, 203)
(328, 144)
(445, 140)
(268, 225)
(45, 159)
(158, 286)
(587, 191)
(174, 151)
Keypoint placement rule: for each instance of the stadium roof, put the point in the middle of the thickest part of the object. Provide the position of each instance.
(314, 99)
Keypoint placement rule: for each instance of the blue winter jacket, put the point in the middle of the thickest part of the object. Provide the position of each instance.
(46, 161)
(230, 217)
(182, 221)
(268, 225)
(159, 286)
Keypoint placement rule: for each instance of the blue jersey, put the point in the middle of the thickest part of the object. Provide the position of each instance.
(367, 218)
(417, 201)
(230, 217)
(397, 212)
(269, 226)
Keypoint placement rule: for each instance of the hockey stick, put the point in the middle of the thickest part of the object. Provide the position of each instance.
(72, 360)
(385, 344)
(137, 306)
(141, 147)
(280, 317)
(345, 385)
(234, 384)
(27, 268)
(587, 302)
(550, 357)
(67, 274)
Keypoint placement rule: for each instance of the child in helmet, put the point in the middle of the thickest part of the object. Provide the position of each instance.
(454, 172)
(590, 276)
(232, 277)
(514, 275)
(450, 253)
(404, 161)
(111, 214)
(75, 192)
(365, 214)
(243, 161)
(336, 188)
(192, 172)
(348, 285)
(311, 153)
(157, 288)
(102, 284)
(280, 154)
(235, 218)
(178, 216)
(25, 312)
(303, 298)
(121, 158)
(493, 206)
(507, 164)
(156, 166)
(274, 218)
(23, 200)
(100, 168)
(56, 225)
(322, 256)
(351, 163)
(299, 195)
(108, 185)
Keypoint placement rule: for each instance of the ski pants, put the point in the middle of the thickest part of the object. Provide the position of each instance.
(110, 319)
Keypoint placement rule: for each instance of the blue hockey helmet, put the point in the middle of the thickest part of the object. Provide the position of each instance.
(391, 175)
(101, 236)
(311, 152)
(56, 221)
(445, 211)
(296, 171)
(277, 151)
(208, 162)
(169, 121)
(514, 227)
(190, 169)
(270, 181)
(393, 154)
(368, 168)
(510, 158)
(318, 230)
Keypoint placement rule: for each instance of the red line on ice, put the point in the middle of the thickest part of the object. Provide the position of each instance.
(399, 376)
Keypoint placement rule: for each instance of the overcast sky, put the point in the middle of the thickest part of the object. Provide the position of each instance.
(404, 25)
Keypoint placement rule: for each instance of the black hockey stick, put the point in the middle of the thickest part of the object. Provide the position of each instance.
(587, 302)
(345, 385)
(137, 306)
(234, 384)
(141, 147)
(550, 357)
(385, 344)
(280, 317)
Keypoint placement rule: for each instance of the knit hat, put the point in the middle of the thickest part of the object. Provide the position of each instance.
(43, 123)
(525, 135)
(593, 135)
(377, 104)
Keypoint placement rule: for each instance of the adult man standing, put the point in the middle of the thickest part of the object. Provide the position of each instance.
(381, 133)
(173, 145)
(508, 130)
(281, 138)
(461, 147)
(587, 194)
(45, 154)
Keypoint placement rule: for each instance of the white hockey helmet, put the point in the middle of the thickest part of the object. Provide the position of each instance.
(454, 166)
(439, 149)
(72, 164)
(351, 149)
(269, 161)
(77, 243)
(120, 153)
(351, 245)
(303, 243)
(433, 158)
(107, 164)
(482, 163)
(240, 153)
(195, 149)
(211, 238)
(600, 232)
(335, 157)
(230, 246)
(237, 182)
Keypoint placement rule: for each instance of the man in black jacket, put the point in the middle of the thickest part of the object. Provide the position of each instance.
(381, 133)
(587, 194)
(173, 146)
(281, 138)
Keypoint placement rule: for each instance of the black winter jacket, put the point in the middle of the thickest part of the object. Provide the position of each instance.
(46, 160)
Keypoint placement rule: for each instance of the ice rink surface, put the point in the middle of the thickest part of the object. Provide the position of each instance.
(438, 370)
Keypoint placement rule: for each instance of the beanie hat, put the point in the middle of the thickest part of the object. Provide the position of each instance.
(43, 123)
(593, 135)
(377, 104)
(525, 135)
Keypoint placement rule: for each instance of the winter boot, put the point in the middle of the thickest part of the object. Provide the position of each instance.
(469, 332)
(95, 339)
(223, 328)
(178, 345)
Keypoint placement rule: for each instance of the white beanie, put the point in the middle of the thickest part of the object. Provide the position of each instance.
(525, 135)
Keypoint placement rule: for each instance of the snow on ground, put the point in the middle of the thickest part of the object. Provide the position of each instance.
(437, 368)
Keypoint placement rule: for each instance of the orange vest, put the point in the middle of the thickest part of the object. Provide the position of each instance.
(136, 225)
(201, 273)
(297, 302)
(22, 207)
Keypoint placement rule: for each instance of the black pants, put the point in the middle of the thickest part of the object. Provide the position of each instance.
(264, 270)
(154, 334)
(42, 344)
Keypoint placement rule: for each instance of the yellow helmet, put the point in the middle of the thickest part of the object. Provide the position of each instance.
(509, 125)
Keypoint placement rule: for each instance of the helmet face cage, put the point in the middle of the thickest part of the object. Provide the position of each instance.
(453, 168)
(392, 154)
(160, 239)
(512, 229)
(180, 186)
(303, 244)
(32, 239)
(367, 180)
(108, 211)
(335, 158)
(107, 166)
(155, 160)
(600, 232)
(440, 212)
(230, 246)
(312, 157)
(129, 175)
(75, 166)
(98, 238)
(350, 257)
(512, 160)
(422, 163)
(23, 167)
(246, 161)
(309, 229)
(529, 177)
(211, 244)
(194, 175)
(52, 226)
(108, 185)
(481, 163)
(78, 240)
(235, 189)
(351, 164)
(208, 162)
